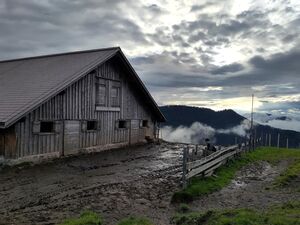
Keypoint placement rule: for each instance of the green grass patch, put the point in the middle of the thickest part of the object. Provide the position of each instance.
(135, 221)
(287, 214)
(183, 208)
(291, 173)
(92, 218)
(201, 186)
(86, 218)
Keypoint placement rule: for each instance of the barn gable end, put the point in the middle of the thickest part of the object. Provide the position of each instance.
(107, 107)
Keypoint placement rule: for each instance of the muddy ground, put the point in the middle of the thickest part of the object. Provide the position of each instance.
(118, 183)
(252, 188)
(132, 181)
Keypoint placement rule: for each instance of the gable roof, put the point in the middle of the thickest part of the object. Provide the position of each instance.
(28, 82)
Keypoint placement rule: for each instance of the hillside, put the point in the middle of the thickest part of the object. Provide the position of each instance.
(186, 115)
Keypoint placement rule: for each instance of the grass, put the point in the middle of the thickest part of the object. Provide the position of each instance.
(92, 218)
(135, 221)
(86, 218)
(199, 186)
(287, 214)
(291, 173)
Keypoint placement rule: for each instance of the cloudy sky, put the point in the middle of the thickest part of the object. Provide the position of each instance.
(203, 53)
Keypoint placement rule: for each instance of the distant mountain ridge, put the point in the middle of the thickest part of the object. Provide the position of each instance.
(180, 115)
(186, 115)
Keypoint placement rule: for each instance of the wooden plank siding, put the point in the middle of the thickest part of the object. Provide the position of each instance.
(78, 102)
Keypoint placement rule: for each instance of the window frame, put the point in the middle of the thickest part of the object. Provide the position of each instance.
(95, 125)
(143, 125)
(126, 124)
(56, 127)
(110, 104)
(104, 83)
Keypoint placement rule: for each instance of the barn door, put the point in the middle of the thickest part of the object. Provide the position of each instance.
(71, 137)
(134, 131)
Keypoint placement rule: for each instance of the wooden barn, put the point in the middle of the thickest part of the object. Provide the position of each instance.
(67, 103)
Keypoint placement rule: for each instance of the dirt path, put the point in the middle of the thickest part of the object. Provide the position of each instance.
(250, 189)
(133, 181)
(118, 183)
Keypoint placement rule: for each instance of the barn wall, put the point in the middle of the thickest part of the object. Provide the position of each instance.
(78, 102)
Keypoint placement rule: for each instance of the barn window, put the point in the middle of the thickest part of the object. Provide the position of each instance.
(47, 127)
(91, 125)
(102, 92)
(145, 123)
(122, 124)
(115, 96)
(108, 94)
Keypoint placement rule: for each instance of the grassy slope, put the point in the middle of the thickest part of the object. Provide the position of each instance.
(135, 221)
(91, 218)
(287, 214)
(202, 186)
(86, 218)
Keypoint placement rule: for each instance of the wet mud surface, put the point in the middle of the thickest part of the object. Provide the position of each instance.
(137, 181)
(118, 183)
(252, 188)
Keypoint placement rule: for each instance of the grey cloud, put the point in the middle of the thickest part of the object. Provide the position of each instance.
(283, 106)
(197, 37)
(188, 48)
(142, 60)
(202, 6)
(154, 9)
(278, 63)
(290, 37)
(39, 27)
(234, 67)
(262, 72)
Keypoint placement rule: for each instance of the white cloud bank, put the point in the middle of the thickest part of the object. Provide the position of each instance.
(198, 132)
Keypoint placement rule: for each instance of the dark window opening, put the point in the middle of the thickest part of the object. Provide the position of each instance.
(47, 127)
(122, 124)
(91, 125)
(145, 123)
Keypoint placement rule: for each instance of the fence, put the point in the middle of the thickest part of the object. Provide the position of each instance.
(209, 163)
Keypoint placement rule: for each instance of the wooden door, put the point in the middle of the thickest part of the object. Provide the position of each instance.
(10, 142)
(2, 143)
(71, 137)
(134, 131)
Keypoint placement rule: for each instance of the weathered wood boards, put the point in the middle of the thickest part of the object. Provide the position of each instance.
(67, 115)
(207, 164)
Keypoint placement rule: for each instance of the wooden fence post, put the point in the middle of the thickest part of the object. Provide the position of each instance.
(185, 152)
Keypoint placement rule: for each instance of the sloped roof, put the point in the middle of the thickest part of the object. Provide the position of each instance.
(26, 83)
